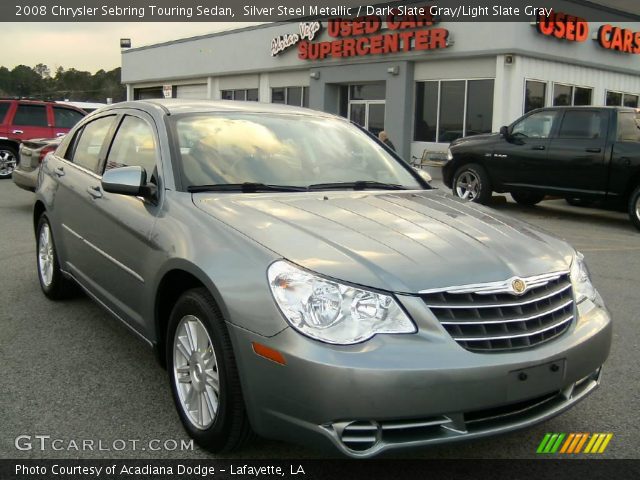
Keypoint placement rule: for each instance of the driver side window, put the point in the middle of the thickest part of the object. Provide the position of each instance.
(538, 125)
(133, 145)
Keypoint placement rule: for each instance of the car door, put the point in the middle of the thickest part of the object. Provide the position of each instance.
(122, 225)
(76, 173)
(625, 155)
(64, 118)
(30, 121)
(576, 155)
(519, 158)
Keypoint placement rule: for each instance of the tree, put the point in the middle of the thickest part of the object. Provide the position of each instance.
(42, 70)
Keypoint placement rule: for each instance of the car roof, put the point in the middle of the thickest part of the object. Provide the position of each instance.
(178, 106)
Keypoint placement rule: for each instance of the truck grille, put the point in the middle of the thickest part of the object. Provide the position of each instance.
(492, 317)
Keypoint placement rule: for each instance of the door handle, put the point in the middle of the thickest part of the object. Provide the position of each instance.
(18, 132)
(60, 134)
(95, 192)
(538, 147)
(593, 150)
(59, 171)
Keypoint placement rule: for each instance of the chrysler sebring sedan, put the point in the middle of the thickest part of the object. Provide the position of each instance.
(300, 281)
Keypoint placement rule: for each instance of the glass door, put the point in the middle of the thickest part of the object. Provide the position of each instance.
(367, 105)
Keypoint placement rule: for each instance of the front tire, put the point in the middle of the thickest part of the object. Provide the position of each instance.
(8, 160)
(634, 208)
(203, 374)
(528, 199)
(472, 183)
(52, 281)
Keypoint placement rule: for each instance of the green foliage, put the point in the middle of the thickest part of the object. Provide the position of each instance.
(72, 84)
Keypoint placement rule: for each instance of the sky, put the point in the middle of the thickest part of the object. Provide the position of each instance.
(89, 46)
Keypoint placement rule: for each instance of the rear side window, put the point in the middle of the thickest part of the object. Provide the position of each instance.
(628, 127)
(4, 108)
(65, 117)
(582, 124)
(134, 145)
(88, 145)
(31, 115)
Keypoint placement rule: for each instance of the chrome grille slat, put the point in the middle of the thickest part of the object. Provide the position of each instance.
(511, 320)
(528, 334)
(413, 424)
(496, 322)
(495, 305)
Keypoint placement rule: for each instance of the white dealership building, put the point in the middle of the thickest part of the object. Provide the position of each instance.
(426, 82)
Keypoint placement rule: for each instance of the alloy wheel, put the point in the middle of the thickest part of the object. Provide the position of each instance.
(7, 162)
(195, 372)
(45, 255)
(468, 186)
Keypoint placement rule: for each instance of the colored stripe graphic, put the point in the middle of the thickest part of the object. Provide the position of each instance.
(574, 443)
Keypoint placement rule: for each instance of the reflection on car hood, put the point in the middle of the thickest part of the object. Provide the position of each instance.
(475, 138)
(400, 241)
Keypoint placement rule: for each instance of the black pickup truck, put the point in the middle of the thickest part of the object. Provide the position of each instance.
(585, 154)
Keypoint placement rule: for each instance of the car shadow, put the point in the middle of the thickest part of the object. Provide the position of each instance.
(560, 210)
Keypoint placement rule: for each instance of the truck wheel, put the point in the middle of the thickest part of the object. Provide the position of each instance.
(8, 160)
(528, 199)
(471, 182)
(634, 207)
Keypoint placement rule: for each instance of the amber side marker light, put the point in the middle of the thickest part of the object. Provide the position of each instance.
(268, 353)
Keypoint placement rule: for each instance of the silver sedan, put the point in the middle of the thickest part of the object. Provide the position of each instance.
(300, 281)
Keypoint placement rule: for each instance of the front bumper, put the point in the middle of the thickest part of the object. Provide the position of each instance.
(401, 391)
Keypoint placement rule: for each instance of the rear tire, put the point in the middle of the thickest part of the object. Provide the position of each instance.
(528, 199)
(472, 183)
(8, 160)
(204, 376)
(52, 281)
(634, 208)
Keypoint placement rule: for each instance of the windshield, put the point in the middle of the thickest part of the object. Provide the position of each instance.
(286, 150)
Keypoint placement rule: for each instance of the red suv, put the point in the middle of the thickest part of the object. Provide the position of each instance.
(26, 119)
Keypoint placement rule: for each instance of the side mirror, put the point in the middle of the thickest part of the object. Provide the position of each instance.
(424, 175)
(504, 131)
(125, 181)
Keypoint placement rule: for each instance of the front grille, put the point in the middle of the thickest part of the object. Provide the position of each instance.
(493, 318)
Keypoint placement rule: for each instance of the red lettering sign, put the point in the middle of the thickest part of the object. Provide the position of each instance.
(563, 26)
(619, 39)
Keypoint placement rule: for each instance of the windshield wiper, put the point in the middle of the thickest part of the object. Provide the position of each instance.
(357, 185)
(246, 187)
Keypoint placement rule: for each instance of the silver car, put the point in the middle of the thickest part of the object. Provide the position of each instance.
(301, 282)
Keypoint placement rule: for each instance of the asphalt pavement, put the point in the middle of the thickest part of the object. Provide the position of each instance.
(71, 372)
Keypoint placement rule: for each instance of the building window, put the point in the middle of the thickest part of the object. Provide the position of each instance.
(450, 109)
(297, 96)
(535, 94)
(613, 99)
(570, 95)
(629, 100)
(619, 99)
(250, 94)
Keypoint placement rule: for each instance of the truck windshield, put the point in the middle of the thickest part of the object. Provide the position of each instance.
(283, 150)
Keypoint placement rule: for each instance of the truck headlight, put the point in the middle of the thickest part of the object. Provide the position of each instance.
(581, 280)
(449, 155)
(331, 311)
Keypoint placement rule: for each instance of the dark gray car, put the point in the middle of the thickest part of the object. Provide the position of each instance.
(301, 282)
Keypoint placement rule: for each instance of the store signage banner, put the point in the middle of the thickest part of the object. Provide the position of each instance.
(572, 28)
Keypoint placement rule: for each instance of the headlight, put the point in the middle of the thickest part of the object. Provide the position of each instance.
(332, 312)
(581, 281)
(449, 155)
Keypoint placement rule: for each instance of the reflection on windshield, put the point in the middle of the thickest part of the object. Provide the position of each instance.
(289, 150)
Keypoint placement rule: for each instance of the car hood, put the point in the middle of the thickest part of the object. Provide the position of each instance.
(396, 241)
(484, 138)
